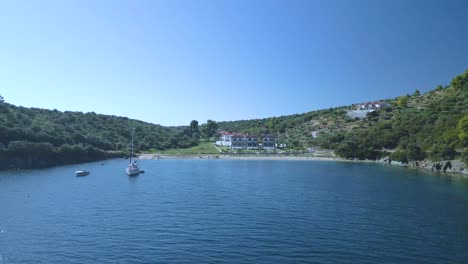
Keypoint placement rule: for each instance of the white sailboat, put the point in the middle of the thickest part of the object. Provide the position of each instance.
(133, 167)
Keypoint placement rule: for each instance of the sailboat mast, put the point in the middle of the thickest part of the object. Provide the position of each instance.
(132, 147)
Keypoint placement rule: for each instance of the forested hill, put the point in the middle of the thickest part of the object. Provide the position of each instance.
(433, 125)
(32, 137)
(52, 126)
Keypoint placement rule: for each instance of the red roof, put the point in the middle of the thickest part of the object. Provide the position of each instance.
(226, 133)
(239, 135)
(375, 102)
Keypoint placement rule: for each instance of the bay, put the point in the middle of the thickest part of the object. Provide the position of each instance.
(233, 211)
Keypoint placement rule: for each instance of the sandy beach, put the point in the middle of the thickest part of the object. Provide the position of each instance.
(247, 157)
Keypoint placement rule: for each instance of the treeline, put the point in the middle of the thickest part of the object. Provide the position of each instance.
(277, 125)
(54, 137)
(76, 128)
(106, 132)
(26, 155)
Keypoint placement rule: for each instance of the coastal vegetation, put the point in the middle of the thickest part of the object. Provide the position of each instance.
(417, 127)
(25, 154)
(33, 137)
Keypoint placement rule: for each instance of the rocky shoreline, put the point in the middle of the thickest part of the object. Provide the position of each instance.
(445, 166)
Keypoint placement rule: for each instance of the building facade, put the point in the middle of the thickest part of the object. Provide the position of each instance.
(268, 142)
(225, 139)
(246, 141)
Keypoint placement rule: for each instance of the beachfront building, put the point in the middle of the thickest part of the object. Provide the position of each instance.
(268, 142)
(238, 141)
(241, 141)
(225, 139)
(246, 141)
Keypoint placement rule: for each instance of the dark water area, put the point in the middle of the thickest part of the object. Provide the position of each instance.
(233, 211)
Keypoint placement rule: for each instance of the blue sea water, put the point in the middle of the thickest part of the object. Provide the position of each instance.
(233, 211)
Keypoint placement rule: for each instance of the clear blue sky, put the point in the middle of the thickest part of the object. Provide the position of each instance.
(169, 62)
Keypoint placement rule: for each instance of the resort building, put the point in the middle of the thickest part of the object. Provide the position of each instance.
(243, 141)
(225, 139)
(268, 142)
(246, 141)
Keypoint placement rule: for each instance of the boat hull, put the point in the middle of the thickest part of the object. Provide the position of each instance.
(82, 173)
(133, 171)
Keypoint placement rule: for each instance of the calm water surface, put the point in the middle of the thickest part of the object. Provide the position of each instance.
(226, 211)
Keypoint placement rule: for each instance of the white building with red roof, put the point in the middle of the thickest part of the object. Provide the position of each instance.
(225, 138)
(246, 141)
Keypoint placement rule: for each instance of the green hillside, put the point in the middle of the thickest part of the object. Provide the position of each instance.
(32, 137)
(433, 125)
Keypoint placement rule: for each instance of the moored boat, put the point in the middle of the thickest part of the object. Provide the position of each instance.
(81, 173)
(133, 167)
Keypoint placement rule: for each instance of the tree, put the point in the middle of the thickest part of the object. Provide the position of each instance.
(209, 129)
(194, 127)
(196, 136)
(402, 101)
(345, 150)
(460, 81)
(399, 155)
(413, 152)
(463, 130)
(1, 99)
(440, 151)
(296, 144)
(79, 138)
(417, 93)
(464, 156)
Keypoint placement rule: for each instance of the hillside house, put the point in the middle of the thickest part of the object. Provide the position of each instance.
(373, 105)
(363, 109)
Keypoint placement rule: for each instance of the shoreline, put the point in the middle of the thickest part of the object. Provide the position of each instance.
(241, 157)
(425, 165)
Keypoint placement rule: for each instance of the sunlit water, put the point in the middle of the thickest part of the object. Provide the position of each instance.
(226, 211)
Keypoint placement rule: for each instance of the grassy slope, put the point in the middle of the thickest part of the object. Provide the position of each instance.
(202, 148)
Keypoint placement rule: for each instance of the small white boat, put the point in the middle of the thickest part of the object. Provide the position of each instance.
(81, 173)
(133, 167)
